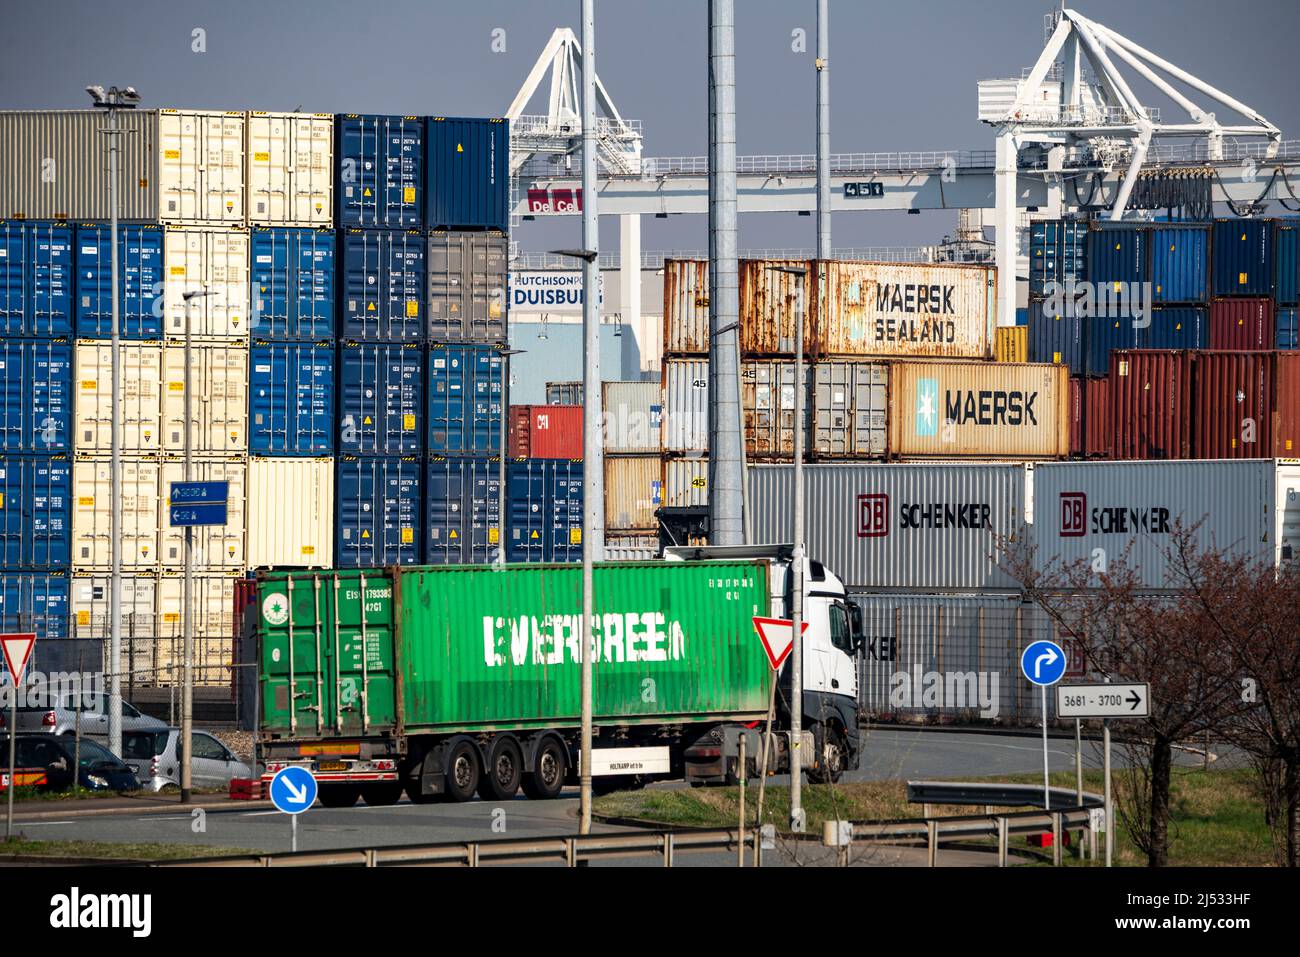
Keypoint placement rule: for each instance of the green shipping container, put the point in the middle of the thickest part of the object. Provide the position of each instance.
(473, 648)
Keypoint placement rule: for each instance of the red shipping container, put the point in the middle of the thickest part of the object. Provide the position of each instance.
(1076, 415)
(1097, 429)
(1286, 405)
(1245, 324)
(1150, 403)
(1233, 412)
(546, 431)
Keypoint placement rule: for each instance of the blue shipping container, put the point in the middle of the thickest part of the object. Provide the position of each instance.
(291, 398)
(1242, 256)
(545, 504)
(463, 510)
(35, 511)
(380, 515)
(381, 398)
(140, 276)
(1102, 335)
(1286, 269)
(1057, 251)
(379, 167)
(37, 602)
(1180, 263)
(383, 294)
(1287, 335)
(464, 400)
(1176, 327)
(36, 394)
(292, 272)
(469, 173)
(1057, 339)
(1117, 254)
(36, 278)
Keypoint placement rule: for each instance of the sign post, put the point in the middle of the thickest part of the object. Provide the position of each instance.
(777, 637)
(1106, 701)
(293, 790)
(17, 650)
(1043, 663)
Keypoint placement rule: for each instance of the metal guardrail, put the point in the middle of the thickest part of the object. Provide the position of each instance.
(996, 795)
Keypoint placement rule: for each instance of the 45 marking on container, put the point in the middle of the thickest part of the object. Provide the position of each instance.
(275, 608)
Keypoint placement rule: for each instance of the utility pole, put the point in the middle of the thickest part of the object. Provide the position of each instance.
(823, 132)
(797, 818)
(726, 498)
(114, 100)
(187, 597)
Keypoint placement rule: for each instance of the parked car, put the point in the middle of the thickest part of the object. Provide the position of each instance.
(61, 717)
(99, 770)
(155, 755)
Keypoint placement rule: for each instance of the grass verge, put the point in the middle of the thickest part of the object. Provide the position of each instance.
(108, 850)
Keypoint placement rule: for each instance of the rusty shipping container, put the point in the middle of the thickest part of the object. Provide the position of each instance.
(546, 431)
(904, 310)
(1150, 404)
(767, 403)
(979, 409)
(850, 409)
(633, 492)
(1245, 324)
(1286, 405)
(1232, 411)
(1076, 416)
(769, 307)
(1097, 428)
(686, 307)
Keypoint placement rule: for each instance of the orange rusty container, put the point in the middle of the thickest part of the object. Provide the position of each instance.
(686, 307)
(1150, 404)
(769, 306)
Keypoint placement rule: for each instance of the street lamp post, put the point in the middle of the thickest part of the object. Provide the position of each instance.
(797, 819)
(114, 100)
(187, 597)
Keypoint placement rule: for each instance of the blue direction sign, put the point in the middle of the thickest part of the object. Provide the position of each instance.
(293, 789)
(1043, 663)
(198, 503)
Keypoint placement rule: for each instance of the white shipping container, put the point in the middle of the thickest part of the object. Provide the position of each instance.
(685, 405)
(290, 169)
(140, 417)
(178, 166)
(218, 373)
(212, 660)
(631, 548)
(631, 417)
(1127, 512)
(92, 514)
(90, 607)
(213, 605)
(633, 492)
(215, 260)
(901, 527)
(290, 512)
(216, 548)
(686, 483)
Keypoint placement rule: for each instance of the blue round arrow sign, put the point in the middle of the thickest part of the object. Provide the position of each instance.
(1043, 662)
(293, 789)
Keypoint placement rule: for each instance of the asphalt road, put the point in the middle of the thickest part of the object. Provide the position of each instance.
(890, 754)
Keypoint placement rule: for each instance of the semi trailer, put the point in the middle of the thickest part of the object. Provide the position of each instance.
(444, 681)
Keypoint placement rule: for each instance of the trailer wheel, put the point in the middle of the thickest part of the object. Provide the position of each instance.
(832, 754)
(339, 795)
(505, 768)
(463, 770)
(381, 795)
(546, 779)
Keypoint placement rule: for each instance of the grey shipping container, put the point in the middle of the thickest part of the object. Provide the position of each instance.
(564, 393)
(686, 483)
(1128, 511)
(901, 527)
(467, 286)
(686, 405)
(850, 409)
(950, 658)
(767, 403)
(631, 413)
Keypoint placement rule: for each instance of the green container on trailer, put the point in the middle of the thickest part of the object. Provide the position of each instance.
(481, 647)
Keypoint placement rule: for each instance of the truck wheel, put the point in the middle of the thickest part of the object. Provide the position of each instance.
(415, 796)
(546, 780)
(463, 770)
(832, 754)
(381, 795)
(505, 768)
(339, 795)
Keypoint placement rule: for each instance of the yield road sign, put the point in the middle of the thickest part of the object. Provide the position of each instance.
(293, 789)
(1103, 701)
(17, 652)
(1043, 663)
(777, 637)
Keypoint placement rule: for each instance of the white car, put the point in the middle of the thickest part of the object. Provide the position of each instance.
(155, 756)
